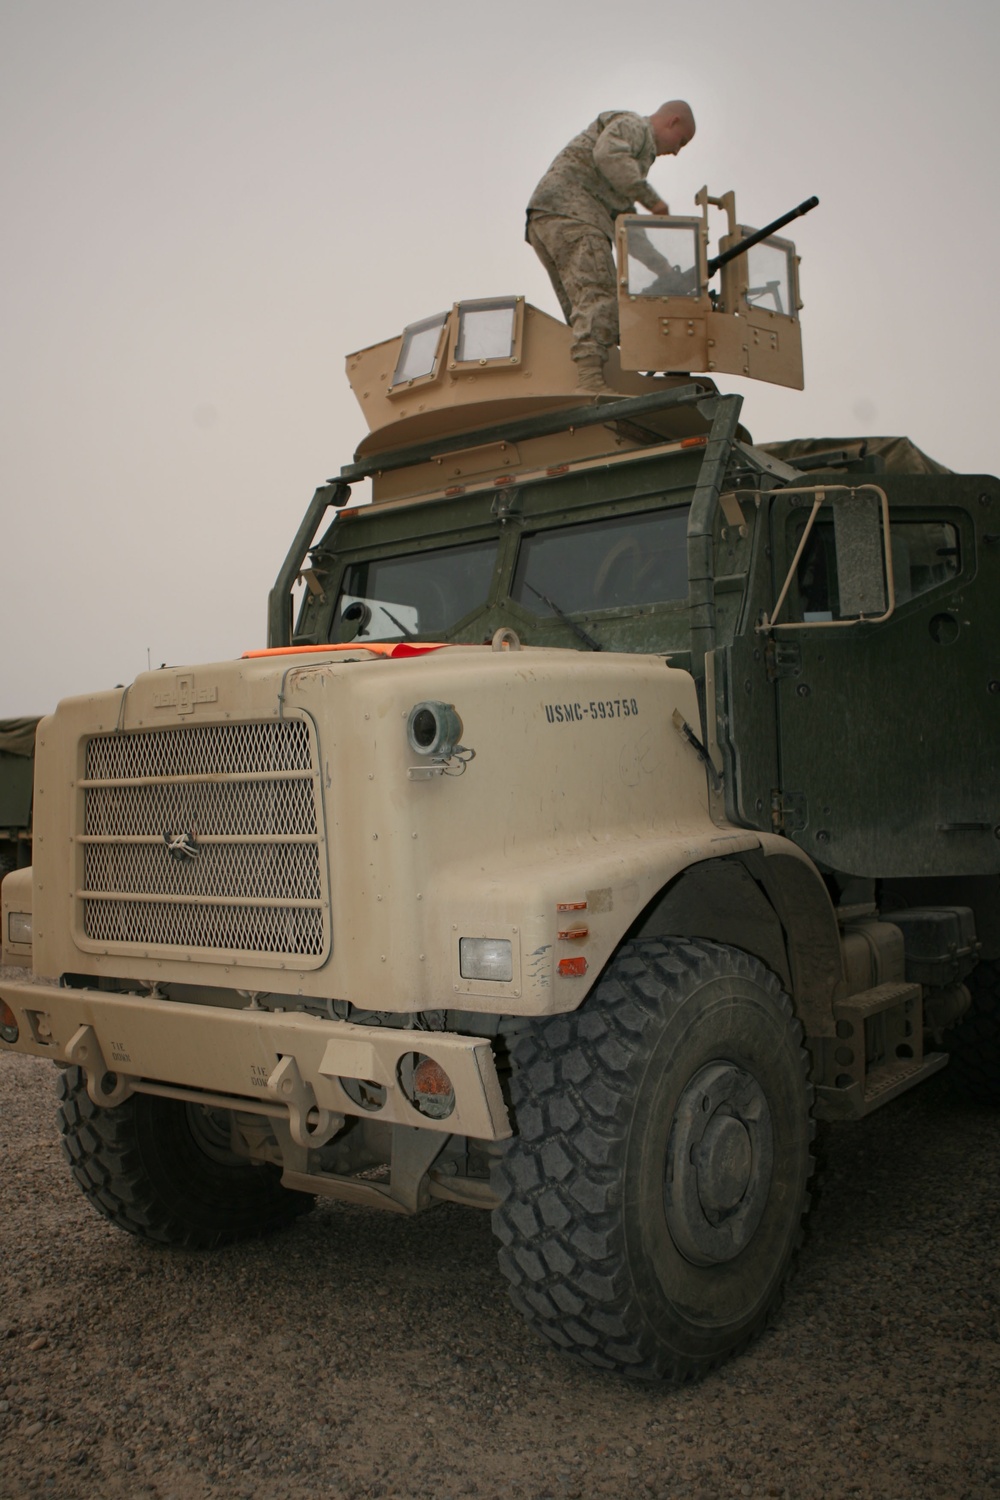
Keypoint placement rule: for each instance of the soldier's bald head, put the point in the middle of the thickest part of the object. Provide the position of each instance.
(673, 126)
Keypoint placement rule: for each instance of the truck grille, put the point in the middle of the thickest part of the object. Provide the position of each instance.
(204, 837)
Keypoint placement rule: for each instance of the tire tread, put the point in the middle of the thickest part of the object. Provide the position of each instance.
(566, 1261)
(106, 1156)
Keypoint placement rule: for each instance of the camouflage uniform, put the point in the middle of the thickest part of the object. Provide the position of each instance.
(571, 218)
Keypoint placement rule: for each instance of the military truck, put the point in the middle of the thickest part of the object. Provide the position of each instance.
(619, 800)
(17, 755)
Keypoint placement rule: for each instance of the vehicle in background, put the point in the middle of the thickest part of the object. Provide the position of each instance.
(17, 760)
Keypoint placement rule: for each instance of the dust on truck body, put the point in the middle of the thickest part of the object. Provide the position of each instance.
(620, 800)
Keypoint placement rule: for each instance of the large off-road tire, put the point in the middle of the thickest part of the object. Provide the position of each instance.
(163, 1170)
(974, 1044)
(653, 1197)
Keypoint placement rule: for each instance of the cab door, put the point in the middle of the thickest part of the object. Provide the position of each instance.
(889, 731)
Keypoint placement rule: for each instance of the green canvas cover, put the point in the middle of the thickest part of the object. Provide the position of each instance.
(17, 736)
(900, 455)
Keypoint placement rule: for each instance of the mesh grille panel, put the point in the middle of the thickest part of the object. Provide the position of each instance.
(238, 749)
(228, 807)
(236, 929)
(265, 871)
(242, 796)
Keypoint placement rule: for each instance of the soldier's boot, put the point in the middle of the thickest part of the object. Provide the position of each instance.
(590, 375)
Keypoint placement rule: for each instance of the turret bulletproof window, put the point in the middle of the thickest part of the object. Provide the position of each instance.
(662, 258)
(420, 594)
(420, 350)
(619, 563)
(487, 331)
(769, 273)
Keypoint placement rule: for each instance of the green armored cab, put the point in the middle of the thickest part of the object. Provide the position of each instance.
(617, 800)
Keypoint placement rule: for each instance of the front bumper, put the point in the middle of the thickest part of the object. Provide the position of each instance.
(277, 1063)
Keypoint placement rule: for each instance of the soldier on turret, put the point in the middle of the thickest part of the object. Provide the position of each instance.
(570, 224)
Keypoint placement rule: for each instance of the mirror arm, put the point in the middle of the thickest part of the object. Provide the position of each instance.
(767, 623)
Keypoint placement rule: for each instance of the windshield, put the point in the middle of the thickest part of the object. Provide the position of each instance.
(422, 594)
(625, 562)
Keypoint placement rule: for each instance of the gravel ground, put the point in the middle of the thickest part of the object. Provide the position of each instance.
(365, 1355)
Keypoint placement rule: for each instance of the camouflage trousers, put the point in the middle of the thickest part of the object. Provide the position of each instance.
(581, 267)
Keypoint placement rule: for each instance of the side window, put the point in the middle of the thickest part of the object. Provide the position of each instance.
(924, 555)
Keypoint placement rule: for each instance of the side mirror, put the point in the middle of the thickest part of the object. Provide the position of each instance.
(861, 557)
(850, 582)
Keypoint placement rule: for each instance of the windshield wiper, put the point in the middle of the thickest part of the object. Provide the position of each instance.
(411, 634)
(588, 640)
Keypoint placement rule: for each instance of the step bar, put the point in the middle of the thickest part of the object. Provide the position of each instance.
(877, 1052)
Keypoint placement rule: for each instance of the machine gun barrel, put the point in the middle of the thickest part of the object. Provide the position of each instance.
(759, 234)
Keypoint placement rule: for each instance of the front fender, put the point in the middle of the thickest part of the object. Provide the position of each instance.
(565, 918)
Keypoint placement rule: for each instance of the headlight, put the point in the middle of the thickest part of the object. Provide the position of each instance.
(434, 729)
(19, 928)
(486, 958)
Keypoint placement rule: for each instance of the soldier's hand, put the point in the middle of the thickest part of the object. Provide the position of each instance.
(659, 207)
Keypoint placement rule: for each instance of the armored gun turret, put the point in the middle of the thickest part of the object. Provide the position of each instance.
(465, 367)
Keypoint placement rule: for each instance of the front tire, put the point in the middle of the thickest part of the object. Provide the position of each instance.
(163, 1170)
(653, 1198)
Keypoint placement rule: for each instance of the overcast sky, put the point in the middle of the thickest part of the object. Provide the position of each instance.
(208, 203)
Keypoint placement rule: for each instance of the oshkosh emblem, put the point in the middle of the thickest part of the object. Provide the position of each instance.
(183, 695)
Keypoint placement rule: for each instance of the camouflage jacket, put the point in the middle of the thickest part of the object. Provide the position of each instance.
(601, 173)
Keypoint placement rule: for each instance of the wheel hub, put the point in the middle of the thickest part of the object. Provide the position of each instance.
(212, 1132)
(720, 1161)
